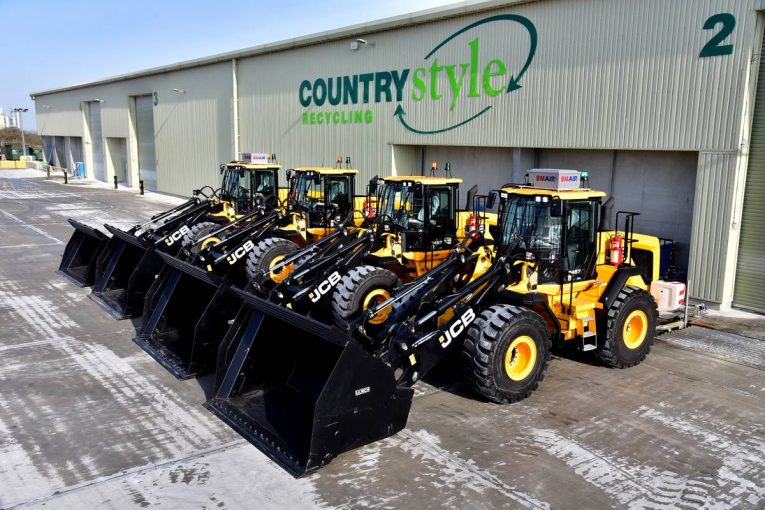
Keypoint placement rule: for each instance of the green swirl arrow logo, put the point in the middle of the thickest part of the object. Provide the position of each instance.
(513, 82)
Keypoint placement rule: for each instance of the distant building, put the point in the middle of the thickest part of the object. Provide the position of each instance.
(4, 121)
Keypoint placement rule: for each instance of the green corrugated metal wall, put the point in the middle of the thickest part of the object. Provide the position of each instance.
(750, 273)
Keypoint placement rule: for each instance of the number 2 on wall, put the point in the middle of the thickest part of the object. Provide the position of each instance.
(713, 48)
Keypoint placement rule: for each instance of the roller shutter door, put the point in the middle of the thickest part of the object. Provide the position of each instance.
(750, 271)
(61, 153)
(96, 140)
(147, 161)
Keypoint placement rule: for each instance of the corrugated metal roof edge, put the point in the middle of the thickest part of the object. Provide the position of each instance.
(403, 20)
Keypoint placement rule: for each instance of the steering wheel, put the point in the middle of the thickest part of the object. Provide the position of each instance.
(332, 207)
(519, 250)
(414, 223)
(380, 220)
(268, 201)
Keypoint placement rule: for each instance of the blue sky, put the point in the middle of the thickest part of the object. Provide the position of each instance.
(50, 44)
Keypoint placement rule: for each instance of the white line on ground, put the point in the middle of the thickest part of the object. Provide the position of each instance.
(31, 227)
(29, 245)
(29, 344)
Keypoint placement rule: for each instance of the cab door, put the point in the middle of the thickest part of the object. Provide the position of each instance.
(579, 240)
(441, 226)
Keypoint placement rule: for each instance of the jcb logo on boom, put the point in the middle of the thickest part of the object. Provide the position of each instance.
(177, 235)
(324, 287)
(240, 252)
(456, 328)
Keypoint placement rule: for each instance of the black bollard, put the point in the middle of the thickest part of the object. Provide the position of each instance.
(115, 182)
(140, 186)
(66, 177)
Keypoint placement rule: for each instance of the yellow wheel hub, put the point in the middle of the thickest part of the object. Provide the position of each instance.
(280, 274)
(635, 329)
(520, 358)
(209, 241)
(374, 298)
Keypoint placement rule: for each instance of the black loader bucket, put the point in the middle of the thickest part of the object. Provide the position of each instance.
(124, 272)
(301, 391)
(81, 254)
(186, 316)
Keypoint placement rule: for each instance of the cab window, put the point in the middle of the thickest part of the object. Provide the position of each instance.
(580, 238)
(338, 192)
(264, 184)
(440, 203)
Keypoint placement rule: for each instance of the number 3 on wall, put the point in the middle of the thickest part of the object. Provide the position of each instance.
(713, 48)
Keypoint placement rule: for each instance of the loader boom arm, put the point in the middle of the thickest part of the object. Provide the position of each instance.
(420, 343)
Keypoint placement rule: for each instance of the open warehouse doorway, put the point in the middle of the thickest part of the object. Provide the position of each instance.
(660, 185)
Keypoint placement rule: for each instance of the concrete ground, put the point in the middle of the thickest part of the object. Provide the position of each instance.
(737, 322)
(87, 420)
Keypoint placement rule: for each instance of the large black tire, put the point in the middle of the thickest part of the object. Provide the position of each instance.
(197, 232)
(506, 335)
(362, 285)
(265, 253)
(627, 329)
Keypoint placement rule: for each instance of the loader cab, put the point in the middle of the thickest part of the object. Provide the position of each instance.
(556, 230)
(324, 196)
(421, 209)
(248, 185)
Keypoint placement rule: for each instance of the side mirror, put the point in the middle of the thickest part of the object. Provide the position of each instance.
(491, 200)
(222, 168)
(556, 208)
(418, 192)
(241, 172)
(289, 173)
(317, 178)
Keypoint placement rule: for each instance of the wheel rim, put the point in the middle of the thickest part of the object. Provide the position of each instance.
(520, 358)
(635, 329)
(281, 274)
(209, 241)
(374, 298)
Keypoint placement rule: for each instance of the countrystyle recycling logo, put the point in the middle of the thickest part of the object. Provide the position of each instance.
(347, 99)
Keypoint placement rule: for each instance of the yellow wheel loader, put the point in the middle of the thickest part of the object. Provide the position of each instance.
(187, 308)
(165, 230)
(415, 228)
(126, 267)
(322, 199)
(303, 391)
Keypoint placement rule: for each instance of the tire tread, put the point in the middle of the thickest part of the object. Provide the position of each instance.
(255, 257)
(480, 349)
(343, 308)
(607, 353)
